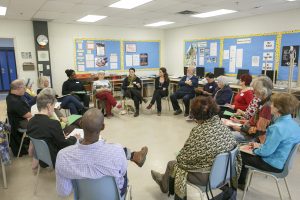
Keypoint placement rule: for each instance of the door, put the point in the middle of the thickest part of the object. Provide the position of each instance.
(4, 70)
(8, 71)
(12, 65)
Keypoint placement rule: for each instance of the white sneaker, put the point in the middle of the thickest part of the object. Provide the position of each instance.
(189, 118)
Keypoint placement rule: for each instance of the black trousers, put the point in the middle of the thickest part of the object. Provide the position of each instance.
(83, 98)
(136, 96)
(157, 95)
(257, 162)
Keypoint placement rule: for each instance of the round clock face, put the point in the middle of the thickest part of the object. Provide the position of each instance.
(42, 40)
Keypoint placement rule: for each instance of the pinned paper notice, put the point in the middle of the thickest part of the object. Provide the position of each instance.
(226, 54)
(269, 44)
(255, 61)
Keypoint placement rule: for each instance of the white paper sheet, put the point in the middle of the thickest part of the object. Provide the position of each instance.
(201, 61)
(239, 58)
(136, 59)
(130, 48)
(113, 65)
(255, 61)
(77, 131)
(40, 66)
(243, 41)
(232, 59)
(129, 60)
(113, 58)
(213, 49)
(269, 56)
(43, 55)
(226, 54)
(202, 44)
(89, 63)
(89, 57)
(269, 66)
(269, 44)
(90, 46)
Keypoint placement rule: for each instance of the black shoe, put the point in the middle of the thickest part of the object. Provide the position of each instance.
(177, 112)
(186, 114)
(136, 114)
(145, 100)
(158, 113)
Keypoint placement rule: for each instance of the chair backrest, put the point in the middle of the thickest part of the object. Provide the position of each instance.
(218, 170)
(104, 188)
(42, 151)
(289, 162)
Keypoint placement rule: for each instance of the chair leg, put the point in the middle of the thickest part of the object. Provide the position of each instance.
(287, 187)
(279, 189)
(21, 144)
(37, 179)
(248, 179)
(3, 174)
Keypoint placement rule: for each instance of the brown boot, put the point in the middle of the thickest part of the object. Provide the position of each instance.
(139, 157)
(157, 177)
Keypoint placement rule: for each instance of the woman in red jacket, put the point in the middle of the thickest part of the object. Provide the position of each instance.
(245, 95)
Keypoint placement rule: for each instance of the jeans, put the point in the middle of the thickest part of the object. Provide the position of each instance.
(70, 102)
(84, 98)
(186, 97)
(157, 95)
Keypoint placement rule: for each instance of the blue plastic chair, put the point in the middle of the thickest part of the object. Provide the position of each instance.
(218, 171)
(104, 188)
(42, 153)
(276, 176)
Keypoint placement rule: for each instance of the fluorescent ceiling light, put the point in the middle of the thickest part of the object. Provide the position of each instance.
(129, 4)
(161, 23)
(2, 10)
(91, 18)
(290, 0)
(214, 13)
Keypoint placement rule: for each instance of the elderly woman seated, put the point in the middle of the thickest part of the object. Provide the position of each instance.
(208, 139)
(103, 91)
(256, 127)
(280, 138)
(223, 92)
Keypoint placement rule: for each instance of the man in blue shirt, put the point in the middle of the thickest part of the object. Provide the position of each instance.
(185, 92)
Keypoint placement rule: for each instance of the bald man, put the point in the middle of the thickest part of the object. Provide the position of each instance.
(18, 112)
(185, 92)
(93, 158)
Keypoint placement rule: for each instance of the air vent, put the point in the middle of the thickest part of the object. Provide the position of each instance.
(187, 12)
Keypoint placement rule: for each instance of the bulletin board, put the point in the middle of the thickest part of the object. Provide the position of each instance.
(202, 53)
(252, 52)
(141, 54)
(288, 39)
(97, 54)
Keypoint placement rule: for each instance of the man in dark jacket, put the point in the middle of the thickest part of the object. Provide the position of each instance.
(185, 92)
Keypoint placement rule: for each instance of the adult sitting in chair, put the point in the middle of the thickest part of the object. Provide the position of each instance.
(103, 91)
(244, 97)
(18, 112)
(256, 127)
(185, 92)
(208, 139)
(42, 127)
(161, 89)
(209, 88)
(93, 158)
(132, 88)
(67, 102)
(280, 138)
(223, 92)
(75, 87)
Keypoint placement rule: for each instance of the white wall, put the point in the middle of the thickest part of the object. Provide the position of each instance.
(22, 33)
(283, 21)
(61, 40)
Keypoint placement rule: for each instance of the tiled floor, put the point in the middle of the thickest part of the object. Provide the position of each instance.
(164, 136)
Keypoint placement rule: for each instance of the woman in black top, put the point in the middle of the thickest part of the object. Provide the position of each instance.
(72, 85)
(132, 89)
(161, 89)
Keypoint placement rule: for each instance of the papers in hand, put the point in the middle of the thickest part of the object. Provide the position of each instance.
(228, 122)
(57, 105)
(79, 92)
(77, 131)
(63, 96)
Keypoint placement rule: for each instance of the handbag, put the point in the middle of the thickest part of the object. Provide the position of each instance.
(228, 192)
